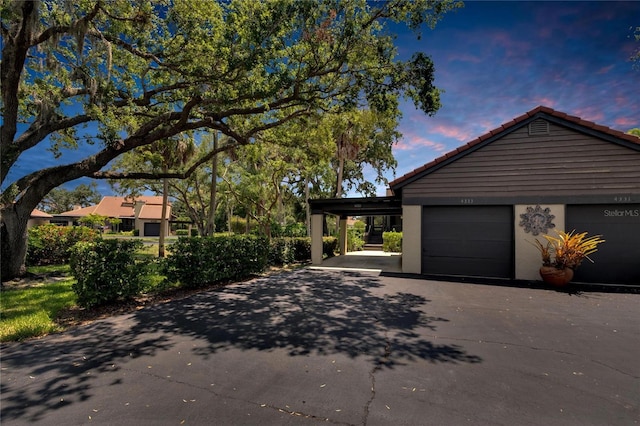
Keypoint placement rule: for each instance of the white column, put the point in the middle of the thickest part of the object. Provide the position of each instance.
(412, 239)
(316, 239)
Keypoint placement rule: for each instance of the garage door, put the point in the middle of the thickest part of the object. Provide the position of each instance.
(468, 240)
(151, 229)
(618, 258)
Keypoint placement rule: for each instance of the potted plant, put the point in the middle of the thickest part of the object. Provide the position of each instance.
(561, 255)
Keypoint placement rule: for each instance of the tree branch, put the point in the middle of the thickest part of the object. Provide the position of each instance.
(62, 29)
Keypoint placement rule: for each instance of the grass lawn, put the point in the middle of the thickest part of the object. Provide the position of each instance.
(30, 309)
(44, 301)
(33, 306)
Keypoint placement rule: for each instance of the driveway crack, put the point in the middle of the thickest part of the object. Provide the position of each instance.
(372, 377)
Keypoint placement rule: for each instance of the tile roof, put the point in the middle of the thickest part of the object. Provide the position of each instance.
(79, 212)
(120, 207)
(40, 214)
(153, 211)
(506, 127)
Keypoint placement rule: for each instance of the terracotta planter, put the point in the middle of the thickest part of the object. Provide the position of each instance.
(555, 276)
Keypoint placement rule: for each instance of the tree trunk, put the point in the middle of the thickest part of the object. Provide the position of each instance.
(339, 179)
(307, 206)
(13, 238)
(163, 219)
(211, 224)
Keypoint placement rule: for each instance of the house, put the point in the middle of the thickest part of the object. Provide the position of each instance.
(38, 218)
(475, 211)
(142, 213)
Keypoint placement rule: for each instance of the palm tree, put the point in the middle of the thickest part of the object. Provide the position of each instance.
(170, 154)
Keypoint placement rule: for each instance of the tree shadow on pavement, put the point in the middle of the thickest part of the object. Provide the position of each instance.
(306, 312)
(302, 312)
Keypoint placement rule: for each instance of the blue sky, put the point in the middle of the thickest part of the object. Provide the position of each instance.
(498, 60)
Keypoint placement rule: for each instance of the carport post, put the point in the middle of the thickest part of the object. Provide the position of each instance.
(316, 239)
(343, 235)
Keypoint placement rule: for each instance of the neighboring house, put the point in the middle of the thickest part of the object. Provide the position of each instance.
(474, 211)
(38, 218)
(142, 213)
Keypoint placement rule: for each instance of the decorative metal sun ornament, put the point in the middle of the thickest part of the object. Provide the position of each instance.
(537, 220)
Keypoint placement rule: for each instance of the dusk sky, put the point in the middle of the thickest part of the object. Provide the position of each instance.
(498, 60)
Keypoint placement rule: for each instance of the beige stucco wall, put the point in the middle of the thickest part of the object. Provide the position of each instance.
(37, 222)
(527, 256)
(411, 239)
(316, 239)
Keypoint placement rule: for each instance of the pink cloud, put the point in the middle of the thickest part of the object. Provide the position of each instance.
(626, 122)
(513, 48)
(545, 101)
(605, 70)
(590, 114)
(411, 142)
(454, 132)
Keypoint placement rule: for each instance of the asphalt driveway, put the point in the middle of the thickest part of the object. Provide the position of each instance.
(339, 347)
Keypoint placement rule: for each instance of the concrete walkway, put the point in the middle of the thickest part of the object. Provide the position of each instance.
(364, 261)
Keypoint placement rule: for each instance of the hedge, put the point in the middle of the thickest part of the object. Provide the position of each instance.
(329, 246)
(354, 239)
(51, 244)
(392, 241)
(286, 250)
(106, 271)
(197, 261)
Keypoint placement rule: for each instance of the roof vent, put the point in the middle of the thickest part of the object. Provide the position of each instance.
(539, 127)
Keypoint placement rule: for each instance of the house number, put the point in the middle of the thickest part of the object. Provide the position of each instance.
(622, 198)
(466, 201)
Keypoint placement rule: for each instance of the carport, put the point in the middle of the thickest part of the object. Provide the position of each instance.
(343, 208)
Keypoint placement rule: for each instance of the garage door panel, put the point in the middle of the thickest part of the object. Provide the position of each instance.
(618, 258)
(469, 249)
(151, 229)
(468, 240)
(468, 267)
(468, 231)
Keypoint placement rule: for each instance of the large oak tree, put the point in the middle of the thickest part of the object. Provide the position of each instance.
(124, 74)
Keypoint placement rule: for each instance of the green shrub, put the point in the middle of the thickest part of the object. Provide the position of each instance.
(182, 232)
(136, 232)
(279, 252)
(302, 248)
(392, 242)
(239, 225)
(194, 232)
(297, 229)
(51, 244)
(286, 250)
(354, 239)
(106, 271)
(198, 261)
(329, 246)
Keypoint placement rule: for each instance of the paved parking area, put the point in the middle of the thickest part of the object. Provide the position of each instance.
(339, 347)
